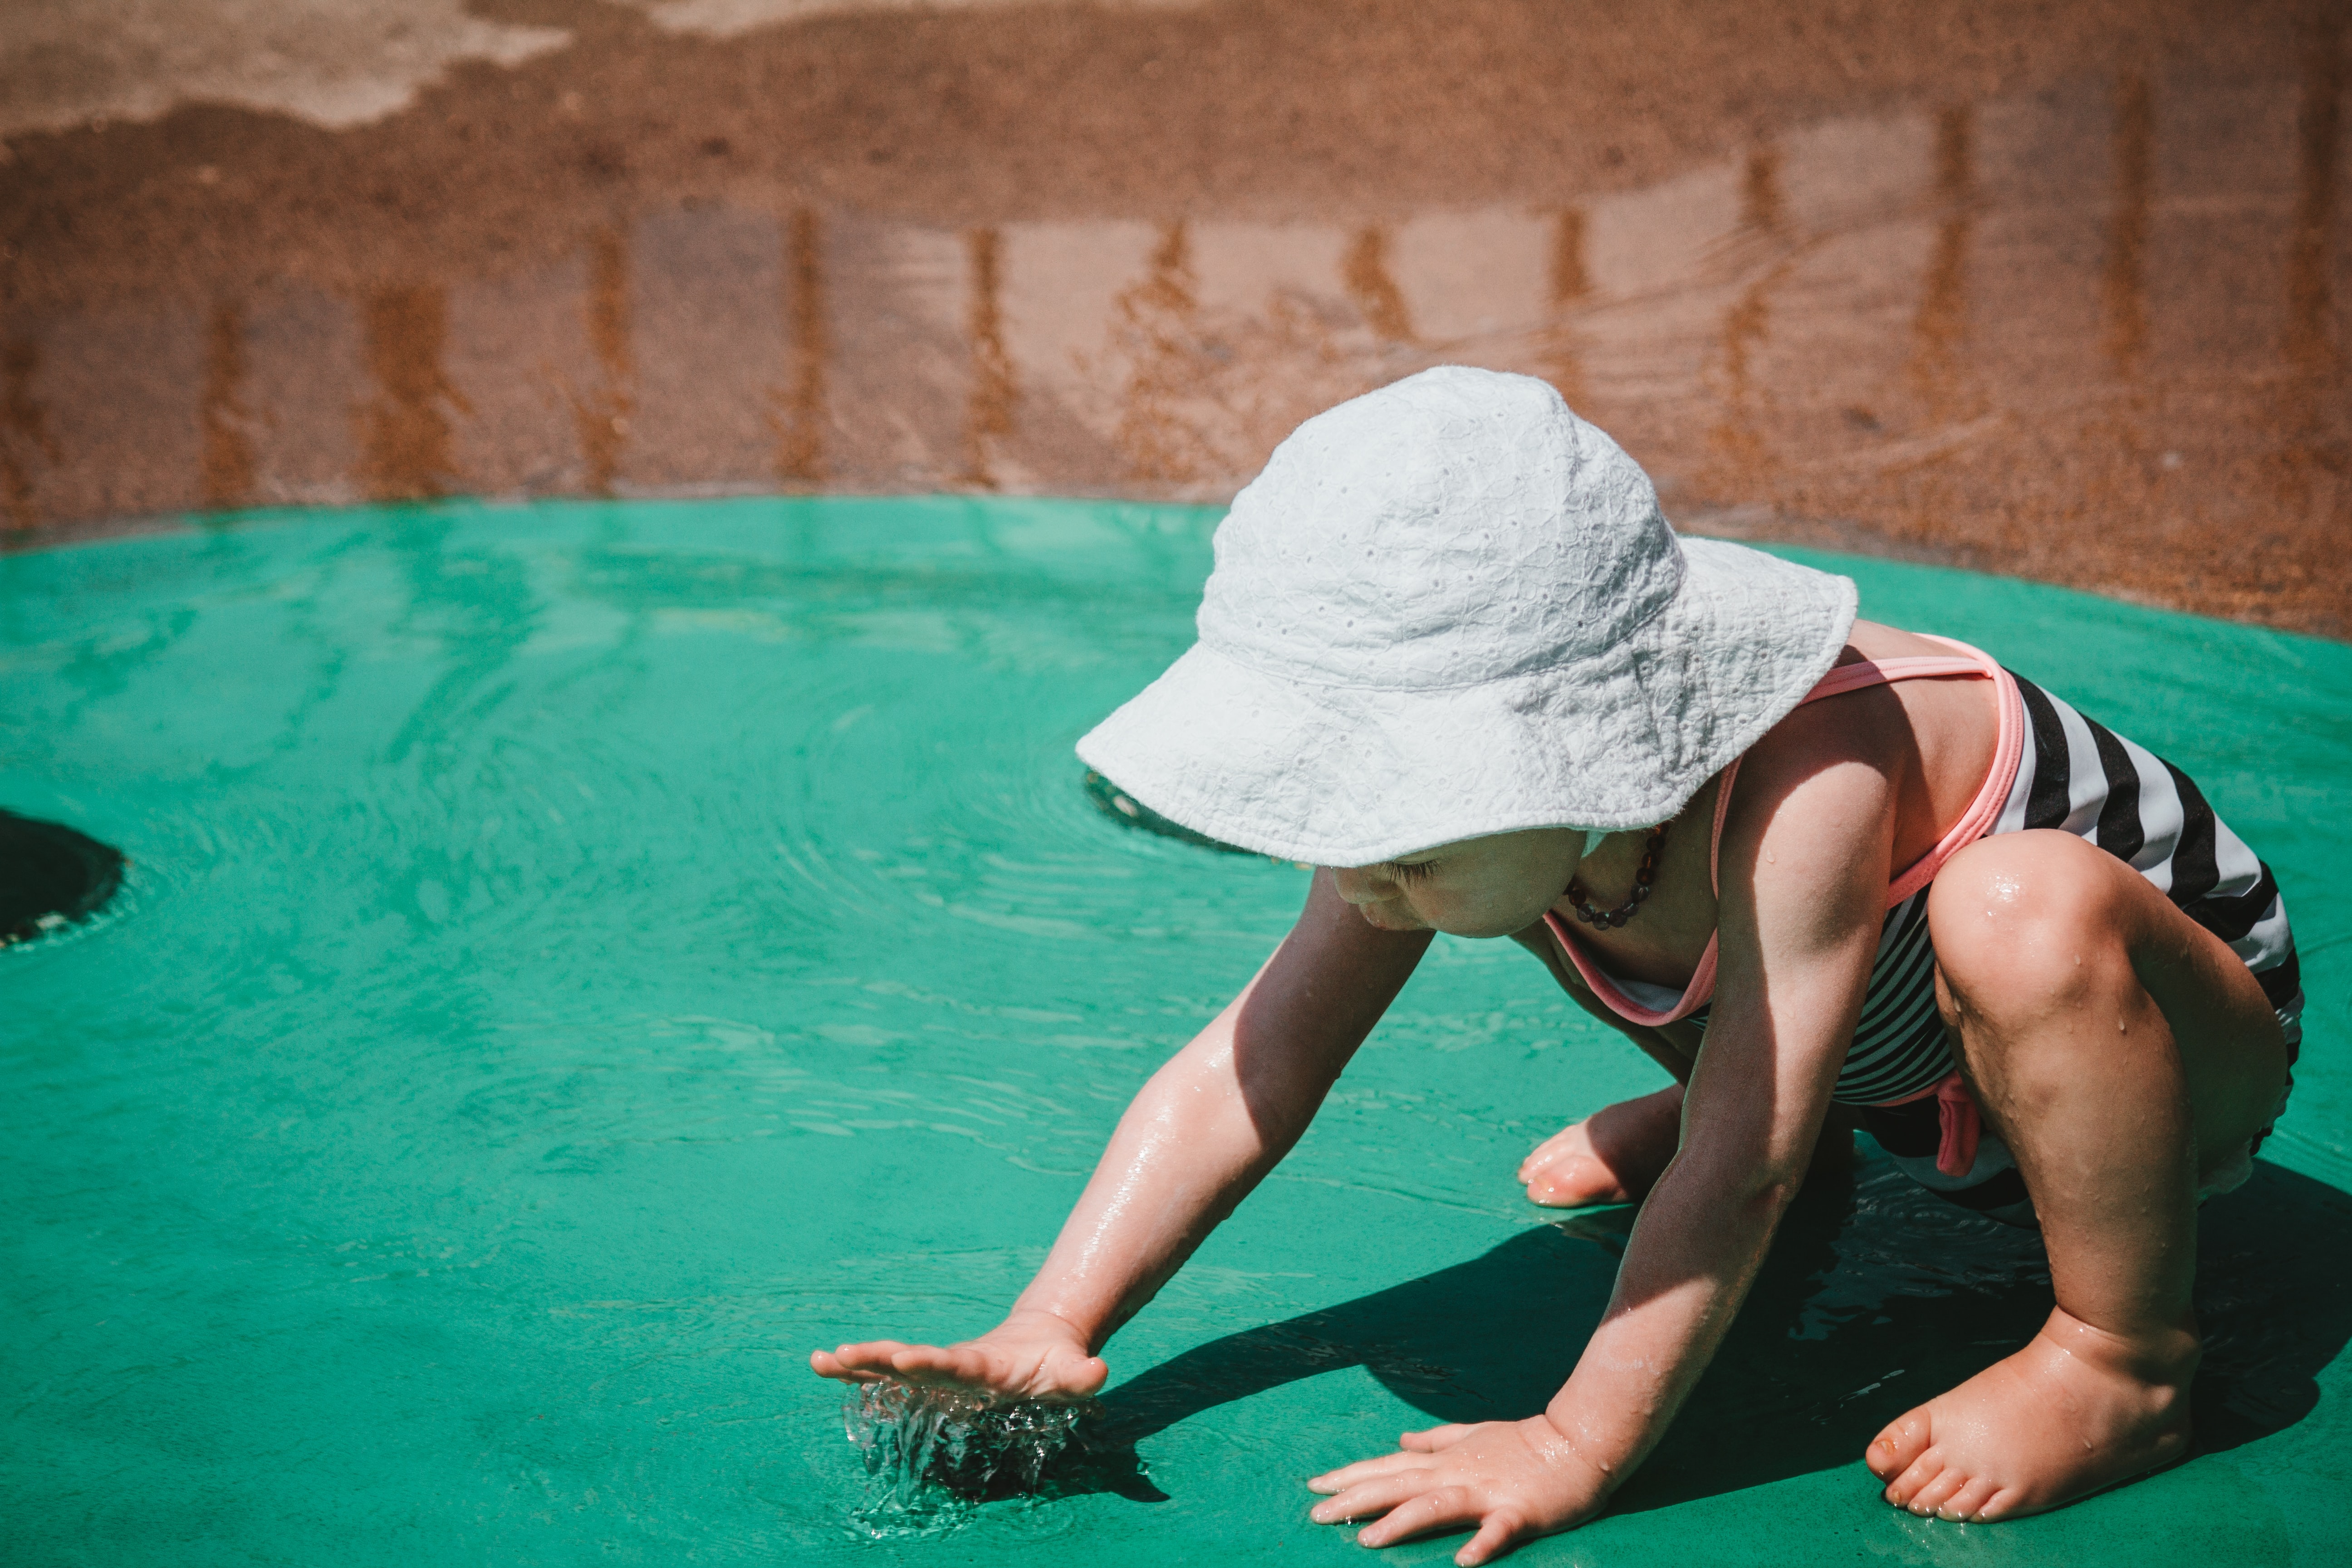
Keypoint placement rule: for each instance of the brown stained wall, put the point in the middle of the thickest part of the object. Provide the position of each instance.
(2054, 288)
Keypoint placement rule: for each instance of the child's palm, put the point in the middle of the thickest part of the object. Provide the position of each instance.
(1022, 1358)
(1508, 1481)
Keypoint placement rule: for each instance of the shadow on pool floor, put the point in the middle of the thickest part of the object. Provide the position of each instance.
(1875, 1297)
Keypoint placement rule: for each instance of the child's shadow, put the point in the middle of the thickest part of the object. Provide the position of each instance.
(1876, 1296)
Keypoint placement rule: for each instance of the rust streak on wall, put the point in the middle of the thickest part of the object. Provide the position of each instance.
(1762, 208)
(601, 416)
(228, 464)
(988, 413)
(404, 435)
(2125, 283)
(23, 430)
(1373, 290)
(799, 417)
(1157, 325)
(1567, 282)
(1940, 327)
(2314, 466)
(2311, 343)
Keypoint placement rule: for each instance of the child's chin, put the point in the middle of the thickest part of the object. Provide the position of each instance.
(1481, 931)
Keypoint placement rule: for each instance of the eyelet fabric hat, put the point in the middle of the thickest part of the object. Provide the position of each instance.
(1450, 608)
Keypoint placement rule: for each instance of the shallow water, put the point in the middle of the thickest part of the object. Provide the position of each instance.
(931, 1452)
(576, 959)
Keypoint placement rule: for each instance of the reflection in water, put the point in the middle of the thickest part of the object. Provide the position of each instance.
(1373, 288)
(404, 427)
(228, 468)
(798, 416)
(24, 429)
(1941, 324)
(2126, 283)
(988, 414)
(601, 416)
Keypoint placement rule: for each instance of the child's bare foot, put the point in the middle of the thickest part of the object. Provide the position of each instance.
(1613, 1156)
(2075, 1410)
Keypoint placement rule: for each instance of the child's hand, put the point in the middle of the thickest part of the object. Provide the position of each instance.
(1029, 1355)
(1513, 1480)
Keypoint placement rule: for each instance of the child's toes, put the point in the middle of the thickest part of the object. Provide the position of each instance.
(1967, 1504)
(1931, 1497)
(1553, 1177)
(1904, 1490)
(1898, 1447)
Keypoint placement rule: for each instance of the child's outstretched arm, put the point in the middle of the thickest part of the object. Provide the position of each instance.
(1804, 875)
(1203, 1132)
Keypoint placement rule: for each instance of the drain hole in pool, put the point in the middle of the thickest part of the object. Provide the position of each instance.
(50, 876)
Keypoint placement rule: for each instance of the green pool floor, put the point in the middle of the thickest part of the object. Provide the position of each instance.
(578, 958)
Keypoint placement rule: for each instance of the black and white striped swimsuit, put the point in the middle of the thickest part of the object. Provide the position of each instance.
(2080, 777)
(2053, 768)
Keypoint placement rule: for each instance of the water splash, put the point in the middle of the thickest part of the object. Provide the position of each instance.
(932, 1454)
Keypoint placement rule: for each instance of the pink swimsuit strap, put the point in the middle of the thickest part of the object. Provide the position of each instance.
(2009, 750)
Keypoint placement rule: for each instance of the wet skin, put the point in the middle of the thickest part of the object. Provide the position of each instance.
(2119, 1049)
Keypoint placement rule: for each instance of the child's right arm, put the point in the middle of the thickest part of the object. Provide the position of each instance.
(1203, 1132)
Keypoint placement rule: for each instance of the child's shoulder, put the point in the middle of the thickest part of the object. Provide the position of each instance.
(1874, 640)
(1914, 751)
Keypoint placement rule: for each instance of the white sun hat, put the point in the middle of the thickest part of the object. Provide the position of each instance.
(1452, 608)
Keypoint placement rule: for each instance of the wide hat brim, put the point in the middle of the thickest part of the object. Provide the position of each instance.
(1355, 776)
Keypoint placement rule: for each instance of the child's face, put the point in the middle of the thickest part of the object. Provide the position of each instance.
(1480, 887)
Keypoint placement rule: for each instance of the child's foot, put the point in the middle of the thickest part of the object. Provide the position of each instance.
(2075, 1410)
(1613, 1156)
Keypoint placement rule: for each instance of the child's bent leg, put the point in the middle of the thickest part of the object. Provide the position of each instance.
(2122, 1052)
(1616, 1154)
(1613, 1156)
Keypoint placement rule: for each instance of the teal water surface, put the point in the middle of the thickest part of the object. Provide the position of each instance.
(578, 958)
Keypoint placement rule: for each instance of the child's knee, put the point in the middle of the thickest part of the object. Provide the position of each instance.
(2027, 921)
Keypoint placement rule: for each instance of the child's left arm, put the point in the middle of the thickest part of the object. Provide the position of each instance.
(1804, 873)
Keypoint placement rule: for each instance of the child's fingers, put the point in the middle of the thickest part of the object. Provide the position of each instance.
(873, 1355)
(1433, 1438)
(1429, 1510)
(1494, 1536)
(1544, 1152)
(929, 1363)
(880, 1360)
(1089, 1374)
(1339, 1480)
(965, 1366)
(825, 1364)
(1370, 1498)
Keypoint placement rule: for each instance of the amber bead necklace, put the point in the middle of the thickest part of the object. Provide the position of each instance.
(1642, 879)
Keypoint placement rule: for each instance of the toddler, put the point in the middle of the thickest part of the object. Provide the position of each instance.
(1818, 868)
